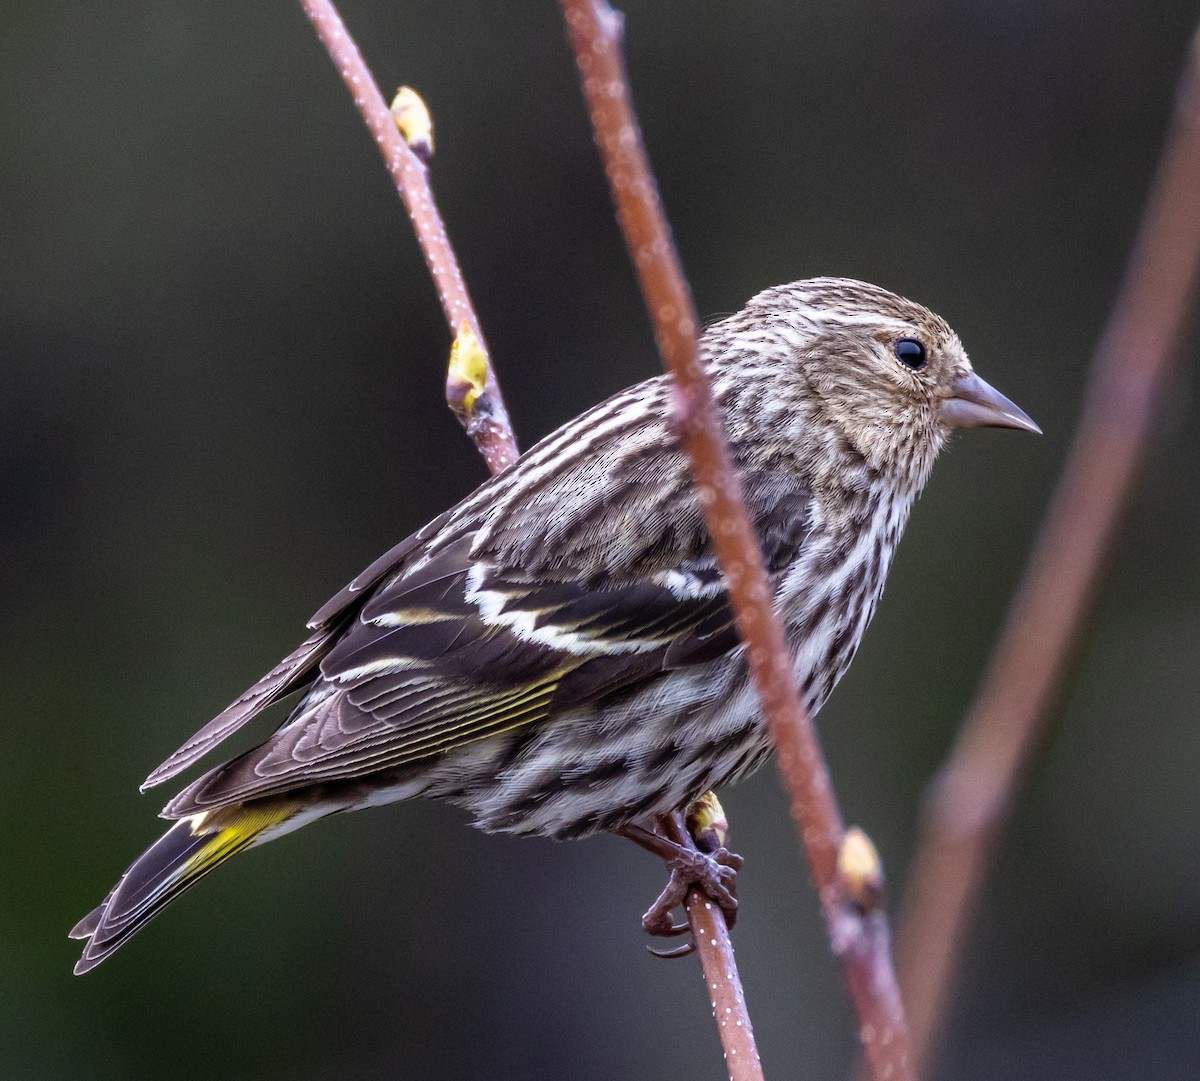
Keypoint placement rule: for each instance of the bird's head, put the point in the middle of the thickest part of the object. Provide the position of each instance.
(887, 375)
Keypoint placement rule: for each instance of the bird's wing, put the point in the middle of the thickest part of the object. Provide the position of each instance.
(584, 568)
(299, 667)
(462, 650)
(515, 500)
(294, 671)
(463, 647)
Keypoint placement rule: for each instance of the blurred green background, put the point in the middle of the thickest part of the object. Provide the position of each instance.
(220, 367)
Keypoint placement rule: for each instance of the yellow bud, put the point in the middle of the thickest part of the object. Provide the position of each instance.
(860, 870)
(707, 824)
(466, 377)
(413, 119)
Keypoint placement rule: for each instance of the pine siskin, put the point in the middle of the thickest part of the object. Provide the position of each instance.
(556, 653)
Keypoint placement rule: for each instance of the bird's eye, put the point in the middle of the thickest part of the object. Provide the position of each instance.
(911, 353)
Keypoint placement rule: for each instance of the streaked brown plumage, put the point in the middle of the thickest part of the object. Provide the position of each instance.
(556, 653)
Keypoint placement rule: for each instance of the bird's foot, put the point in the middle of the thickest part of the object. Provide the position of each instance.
(713, 872)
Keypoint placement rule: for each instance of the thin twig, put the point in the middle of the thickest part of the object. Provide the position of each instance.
(971, 798)
(484, 415)
(724, 986)
(472, 381)
(860, 940)
(468, 394)
(710, 934)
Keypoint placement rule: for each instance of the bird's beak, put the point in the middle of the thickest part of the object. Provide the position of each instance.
(975, 404)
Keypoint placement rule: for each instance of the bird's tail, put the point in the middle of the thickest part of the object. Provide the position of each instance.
(174, 863)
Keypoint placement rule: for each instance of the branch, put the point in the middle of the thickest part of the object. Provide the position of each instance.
(970, 800)
(861, 940)
(724, 987)
(710, 935)
(404, 137)
(480, 407)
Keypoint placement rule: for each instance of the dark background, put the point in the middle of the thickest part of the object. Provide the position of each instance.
(220, 368)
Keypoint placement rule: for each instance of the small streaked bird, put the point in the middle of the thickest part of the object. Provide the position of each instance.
(556, 653)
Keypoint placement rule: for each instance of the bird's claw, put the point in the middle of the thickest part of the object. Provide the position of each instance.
(694, 859)
(676, 951)
(713, 873)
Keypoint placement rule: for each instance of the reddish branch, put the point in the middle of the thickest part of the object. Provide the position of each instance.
(487, 423)
(710, 935)
(861, 940)
(1129, 372)
(724, 986)
(484, 416)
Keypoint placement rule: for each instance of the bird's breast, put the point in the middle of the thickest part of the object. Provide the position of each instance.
(828, 596)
